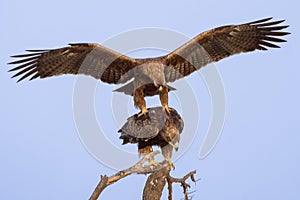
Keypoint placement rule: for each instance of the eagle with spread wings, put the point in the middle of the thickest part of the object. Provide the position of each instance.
(148, 77)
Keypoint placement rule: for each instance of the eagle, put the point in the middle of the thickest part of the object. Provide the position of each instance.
(156, 128)
(150, 76)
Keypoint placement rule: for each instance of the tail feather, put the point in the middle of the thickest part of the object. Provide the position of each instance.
(129, 89)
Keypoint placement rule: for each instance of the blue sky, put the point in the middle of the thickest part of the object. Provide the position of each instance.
(257, 156)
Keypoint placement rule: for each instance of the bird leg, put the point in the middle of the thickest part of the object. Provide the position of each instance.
(171, 165)
(144, 111)
(167, 154)
(152, 162)
(144, 150)
(163, 95)
(139, 101)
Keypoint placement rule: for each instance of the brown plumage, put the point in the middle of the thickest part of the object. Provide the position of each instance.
(156, 128)
(150, 75)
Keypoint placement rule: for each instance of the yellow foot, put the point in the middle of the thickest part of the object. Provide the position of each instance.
(152, 162)
(143, 113)
(171, 165)
(167, 109)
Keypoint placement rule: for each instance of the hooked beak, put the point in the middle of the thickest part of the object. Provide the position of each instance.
(160, 88)
(175, 146)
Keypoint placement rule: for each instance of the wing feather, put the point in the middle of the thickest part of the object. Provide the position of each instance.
(89, 59)
(219, 43)
(32, 71)
(112, 67)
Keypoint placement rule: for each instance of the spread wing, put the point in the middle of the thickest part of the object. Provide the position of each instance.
(89, 59)
(220, 43)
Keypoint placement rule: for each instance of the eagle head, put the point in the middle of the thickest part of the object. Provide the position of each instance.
(173, 138)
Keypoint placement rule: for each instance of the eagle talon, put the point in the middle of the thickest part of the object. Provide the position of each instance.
(153, 162)
(167, 109)
(143, 113)
(171, 165)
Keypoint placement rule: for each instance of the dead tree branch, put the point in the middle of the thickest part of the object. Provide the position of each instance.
(182, 180)
(157, 181)
(138, 168)
(160, 175)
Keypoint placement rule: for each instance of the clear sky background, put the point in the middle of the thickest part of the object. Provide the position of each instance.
(257, 156)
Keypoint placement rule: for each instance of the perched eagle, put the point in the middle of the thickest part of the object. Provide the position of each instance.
(155, 128)
(148, 77)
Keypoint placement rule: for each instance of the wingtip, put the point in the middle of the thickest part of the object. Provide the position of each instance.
(261, 20)
(268, 18)
(285, 33)
(14, 77)
(280, 21)
(12, 69)
(20, 79)
(285, 26)
(12, 63)
(283, 20)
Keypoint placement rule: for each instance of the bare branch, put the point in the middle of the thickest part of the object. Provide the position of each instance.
(100, 187)
(138, 168)
(157, 180)
(182, 180)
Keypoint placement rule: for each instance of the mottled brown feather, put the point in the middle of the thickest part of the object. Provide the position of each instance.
(88, 59)
(157, 128)
(112, 67)
(219, 43)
